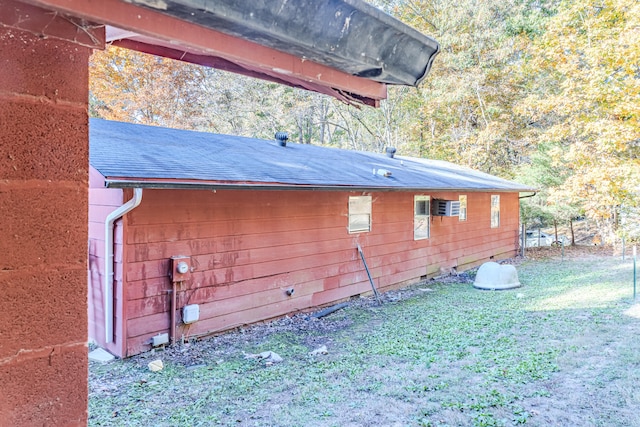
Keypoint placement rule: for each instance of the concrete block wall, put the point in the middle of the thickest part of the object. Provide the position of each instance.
(43, 230)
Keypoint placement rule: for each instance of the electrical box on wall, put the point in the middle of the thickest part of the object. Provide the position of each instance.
(190, 313)
(180, 268)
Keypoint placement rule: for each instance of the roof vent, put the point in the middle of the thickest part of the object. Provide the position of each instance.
(391, 151)
(282, 138)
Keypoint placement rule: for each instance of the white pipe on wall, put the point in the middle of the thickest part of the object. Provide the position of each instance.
(108, 259)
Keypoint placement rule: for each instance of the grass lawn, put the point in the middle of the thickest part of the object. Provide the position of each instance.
(563, 350)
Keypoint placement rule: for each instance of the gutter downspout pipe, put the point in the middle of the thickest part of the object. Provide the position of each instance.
(108, 259)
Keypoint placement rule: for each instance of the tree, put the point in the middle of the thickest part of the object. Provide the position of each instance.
(583, 97)
(549, 206)
(140, 88)
(521, 88)
(463, 112)
(129, 86)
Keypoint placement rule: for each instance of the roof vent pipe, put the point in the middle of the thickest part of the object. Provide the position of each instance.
(282, 138)
(391, 151)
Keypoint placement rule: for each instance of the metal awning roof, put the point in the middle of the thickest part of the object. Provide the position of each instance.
(344, 48)
(349, 35)
(130, 155)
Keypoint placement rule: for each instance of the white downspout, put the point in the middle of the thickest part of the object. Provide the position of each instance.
(108, 259)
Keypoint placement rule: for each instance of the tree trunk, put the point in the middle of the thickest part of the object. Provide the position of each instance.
(573, 236)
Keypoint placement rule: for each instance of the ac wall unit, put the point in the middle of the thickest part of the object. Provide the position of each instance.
(446, 208)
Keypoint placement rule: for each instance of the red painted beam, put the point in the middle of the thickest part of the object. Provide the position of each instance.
(191, 38)
(50, 24)
(225, 65)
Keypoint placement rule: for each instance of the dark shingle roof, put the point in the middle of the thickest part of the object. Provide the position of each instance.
(130, 155)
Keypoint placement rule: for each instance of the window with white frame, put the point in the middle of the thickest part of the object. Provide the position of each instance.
(359, 214)
(495, 211)
(462, 216)
(421, 215)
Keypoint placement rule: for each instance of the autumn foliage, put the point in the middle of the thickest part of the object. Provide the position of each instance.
(545, 92)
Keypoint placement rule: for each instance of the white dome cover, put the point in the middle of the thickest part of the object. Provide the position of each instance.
(494, 276)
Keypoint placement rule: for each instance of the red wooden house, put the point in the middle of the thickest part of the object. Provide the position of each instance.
(238, 239)
(347, 49)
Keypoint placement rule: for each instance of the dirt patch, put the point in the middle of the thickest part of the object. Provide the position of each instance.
(315, 330)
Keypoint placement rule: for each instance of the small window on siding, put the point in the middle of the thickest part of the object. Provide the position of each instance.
(421, 214)
(495, 211)
(359, 214)
(462, 216)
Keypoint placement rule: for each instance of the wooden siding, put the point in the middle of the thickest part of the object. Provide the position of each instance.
(103, 201)
(248, 247)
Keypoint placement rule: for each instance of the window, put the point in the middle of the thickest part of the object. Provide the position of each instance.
(359, 214)
(462, 216)
(495, 211)
(421, 215)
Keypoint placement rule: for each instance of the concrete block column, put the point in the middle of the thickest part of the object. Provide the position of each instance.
(43, 227)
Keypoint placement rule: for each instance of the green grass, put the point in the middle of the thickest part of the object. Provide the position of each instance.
(559, 350)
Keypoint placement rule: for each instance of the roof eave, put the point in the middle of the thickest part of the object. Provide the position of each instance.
(264, 186)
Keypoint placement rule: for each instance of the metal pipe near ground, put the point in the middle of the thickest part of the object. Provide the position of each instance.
(172, 334)
(327, 311)
(366, 267)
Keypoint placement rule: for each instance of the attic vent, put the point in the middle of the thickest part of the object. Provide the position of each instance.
(446, 208)
(391, 151)
(282, 138)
